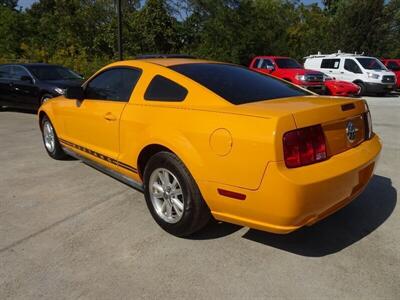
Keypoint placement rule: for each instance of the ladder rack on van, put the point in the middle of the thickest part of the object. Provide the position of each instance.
(338, 54)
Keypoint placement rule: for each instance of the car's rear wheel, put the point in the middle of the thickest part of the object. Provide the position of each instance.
(172, 195)
(50, 140)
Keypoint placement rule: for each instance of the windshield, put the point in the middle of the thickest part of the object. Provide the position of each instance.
(288, 63)
(369, 63)
(237, 84)
(53, 73)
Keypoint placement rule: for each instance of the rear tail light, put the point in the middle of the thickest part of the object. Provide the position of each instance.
(368, 125)
(304, 146)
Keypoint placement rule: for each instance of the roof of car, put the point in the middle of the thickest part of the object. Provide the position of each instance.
(29, 64)
(271, 56)
(166, 62)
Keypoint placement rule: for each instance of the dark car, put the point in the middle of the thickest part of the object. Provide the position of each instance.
(29, 85)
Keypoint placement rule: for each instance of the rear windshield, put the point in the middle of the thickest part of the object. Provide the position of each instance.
(238, 85)
(371, 63)
(287, 63)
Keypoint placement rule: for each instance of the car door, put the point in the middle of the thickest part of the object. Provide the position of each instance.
(91, 125)
(24, 90)
(6, 96)
(349, 71)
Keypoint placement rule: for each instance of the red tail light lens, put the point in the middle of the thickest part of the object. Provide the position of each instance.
(304, 146)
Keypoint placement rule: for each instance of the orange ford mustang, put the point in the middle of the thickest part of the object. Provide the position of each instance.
(204, 139)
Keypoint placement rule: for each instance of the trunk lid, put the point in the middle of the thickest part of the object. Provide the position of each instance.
(344, 121)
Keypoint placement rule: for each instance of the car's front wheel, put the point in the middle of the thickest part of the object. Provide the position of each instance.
(172, 196)
(50, 140)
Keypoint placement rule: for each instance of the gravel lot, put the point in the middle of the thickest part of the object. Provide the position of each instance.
(69, 231)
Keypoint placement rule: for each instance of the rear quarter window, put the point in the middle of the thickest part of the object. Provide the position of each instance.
(236, 84)
(164, 89)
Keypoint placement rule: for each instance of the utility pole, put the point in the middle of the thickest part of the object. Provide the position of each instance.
(119, 17)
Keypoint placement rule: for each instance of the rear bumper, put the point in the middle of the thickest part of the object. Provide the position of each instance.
(288, 199)
(379, 87)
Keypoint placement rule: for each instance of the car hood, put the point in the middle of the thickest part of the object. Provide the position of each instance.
(340, 82)
(64, 83)
(306, 72)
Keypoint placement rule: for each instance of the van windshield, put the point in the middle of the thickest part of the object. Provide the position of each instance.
(370, 63)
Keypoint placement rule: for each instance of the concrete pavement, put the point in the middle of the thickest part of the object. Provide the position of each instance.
(68, 231)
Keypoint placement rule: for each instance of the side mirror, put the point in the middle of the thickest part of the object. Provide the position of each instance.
(75, 92)
(26, 78)
(270, 68)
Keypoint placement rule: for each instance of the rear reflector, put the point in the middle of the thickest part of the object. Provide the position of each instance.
(304, 146)
(231, 194)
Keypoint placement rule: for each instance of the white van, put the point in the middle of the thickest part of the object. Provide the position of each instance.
(367, 72)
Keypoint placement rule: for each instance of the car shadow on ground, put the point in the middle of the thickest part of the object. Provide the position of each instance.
(340, 230)
(344, 228)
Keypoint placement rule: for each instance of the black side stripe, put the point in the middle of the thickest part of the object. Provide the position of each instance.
(99, 155)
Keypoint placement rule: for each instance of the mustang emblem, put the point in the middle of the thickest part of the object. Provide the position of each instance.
(351, 132)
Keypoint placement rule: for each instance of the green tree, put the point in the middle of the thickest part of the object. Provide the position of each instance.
(12, 31)
(9, 3)
(153, 29)
(357, 25)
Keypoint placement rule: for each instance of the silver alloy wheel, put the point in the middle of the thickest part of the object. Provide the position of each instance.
(166, 195)
(48, 136)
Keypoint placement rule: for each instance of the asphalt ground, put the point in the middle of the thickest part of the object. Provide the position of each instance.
(68, 231)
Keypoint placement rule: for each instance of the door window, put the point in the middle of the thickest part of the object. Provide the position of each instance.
(18, 72)
(351, 66)
(392, 65)
(115, 84)
(5, 72)
(266, 63)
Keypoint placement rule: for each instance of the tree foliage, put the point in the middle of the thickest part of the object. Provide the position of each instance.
(82, 33)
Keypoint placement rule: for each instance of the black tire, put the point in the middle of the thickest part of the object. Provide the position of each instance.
(57, 153)
(363, 88)
(44, 98)
(196, 213)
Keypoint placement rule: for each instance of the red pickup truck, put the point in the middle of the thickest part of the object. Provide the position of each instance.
(289, 70)
(394, 66)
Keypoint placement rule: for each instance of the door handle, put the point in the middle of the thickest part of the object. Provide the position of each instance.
(110, 117)
(341, 72)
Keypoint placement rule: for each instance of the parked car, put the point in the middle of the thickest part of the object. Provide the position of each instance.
(290, 70)
(367, 72)
(203, 138)
(394, 66)
(29, 85)
(340, 88)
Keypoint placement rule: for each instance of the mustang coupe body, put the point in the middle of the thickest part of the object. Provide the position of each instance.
(204, 139)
